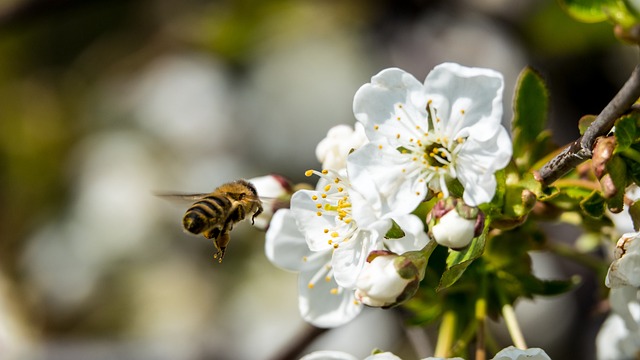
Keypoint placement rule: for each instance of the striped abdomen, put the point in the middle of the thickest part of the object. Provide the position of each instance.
(207, 214)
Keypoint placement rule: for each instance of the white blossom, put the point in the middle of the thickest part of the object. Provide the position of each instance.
(328, 355)
(513, 353)
(426, 136)
(322, 302)
(625, 268)
(619, 335)
(337, 218)
(332, 151)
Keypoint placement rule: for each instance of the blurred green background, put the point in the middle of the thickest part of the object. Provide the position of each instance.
(104, 102)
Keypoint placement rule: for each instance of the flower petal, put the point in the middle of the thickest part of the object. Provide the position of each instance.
(513, 353)
(328, 355)
(285, 245)
(325, 304)
(380, 175)
(471, 98)
(376, 102)
(310, 223)
(348, 260)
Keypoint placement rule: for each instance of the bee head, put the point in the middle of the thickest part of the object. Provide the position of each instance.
(193, 223)
(249, 187)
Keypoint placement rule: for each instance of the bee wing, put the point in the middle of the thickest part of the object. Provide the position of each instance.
(181, 197)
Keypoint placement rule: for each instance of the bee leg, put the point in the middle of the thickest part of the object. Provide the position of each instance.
(212, 234)
(221, 244)
(258, 212)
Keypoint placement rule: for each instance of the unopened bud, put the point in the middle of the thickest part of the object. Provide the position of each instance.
(602, 153)
(454, 224)
(388, 279)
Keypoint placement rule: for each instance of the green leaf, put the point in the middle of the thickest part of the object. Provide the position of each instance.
(458, 261)
(585, 122)
(530, 108)
(626, 133)
(593, 205)
(614, 191)
(634, 212)
(534, 286)
(589, 11)
(395, 232)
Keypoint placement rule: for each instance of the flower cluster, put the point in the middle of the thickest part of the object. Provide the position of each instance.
(354, 238)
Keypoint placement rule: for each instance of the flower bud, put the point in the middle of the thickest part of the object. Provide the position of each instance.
(274, 191)
(454, 224)
(625, 268)
(388, 279)
(602, 153)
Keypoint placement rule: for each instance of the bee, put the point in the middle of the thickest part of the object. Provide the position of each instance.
(214, 214)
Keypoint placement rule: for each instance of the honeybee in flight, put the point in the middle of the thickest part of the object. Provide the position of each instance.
(214, 214)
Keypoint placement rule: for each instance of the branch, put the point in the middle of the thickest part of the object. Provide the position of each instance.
(581, 149)
(303, 340)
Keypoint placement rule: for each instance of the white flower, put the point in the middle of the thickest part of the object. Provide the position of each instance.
(322, 302)
(513, 353)
(424, 136)
(328, 355)
(337, 218)
(332, 151)
(625, 268)
(619, 337)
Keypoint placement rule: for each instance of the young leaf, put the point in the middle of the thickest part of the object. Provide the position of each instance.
(626, 132)
(593, 205)
(585, 122)
(395, 232)
(589, 11)
(634, 212)
(530, 108)
(614, 189)
(458, 261)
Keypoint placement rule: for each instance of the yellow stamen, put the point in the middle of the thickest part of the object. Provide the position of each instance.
(308, 173)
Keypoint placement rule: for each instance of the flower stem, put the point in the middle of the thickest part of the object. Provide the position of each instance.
(428, 249)
(481, 316)
(514, 328)
(446, 334)
(511, 321)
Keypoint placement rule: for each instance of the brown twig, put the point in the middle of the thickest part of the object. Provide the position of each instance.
(581, 149)
(293, 351)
